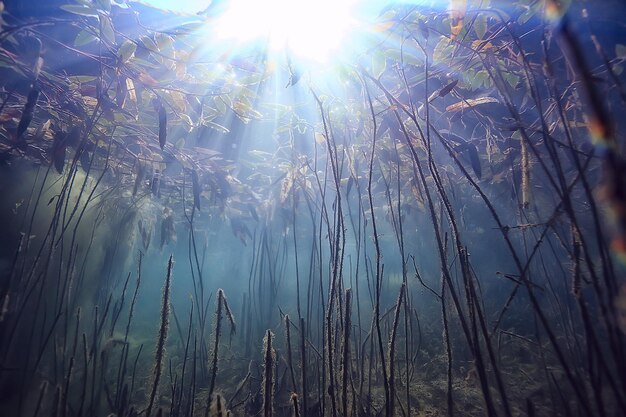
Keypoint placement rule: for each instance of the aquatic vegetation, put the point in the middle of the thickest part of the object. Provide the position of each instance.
(432, 223)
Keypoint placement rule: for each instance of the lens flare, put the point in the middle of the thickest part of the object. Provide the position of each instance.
(309, 29)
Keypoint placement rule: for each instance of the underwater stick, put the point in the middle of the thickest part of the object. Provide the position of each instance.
(229, 316)
(525, 174)
(70, 367)
(444, 199)
(218, 330)
(192, 385)
(378, 276)
(268, 375)
(218, 406)
(289, 355)
(42, 392)
(303, 365)
(607, 265)
(238, 390)
(532, 297)
(335, 272)
(185, 358)
(392, 350)
(117, 308)
(85, 376)
(160, 347)
(573, 53)
(134, 373)
(294, 401)
(345, 357)
(94, 358)
(611, 193)
(295, 253)
(55, 406)
(124, 356)
(446, 339)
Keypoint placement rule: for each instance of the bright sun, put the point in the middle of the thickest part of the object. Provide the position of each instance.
(310, 29)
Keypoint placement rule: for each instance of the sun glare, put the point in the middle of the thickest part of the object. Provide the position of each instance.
(309, 29)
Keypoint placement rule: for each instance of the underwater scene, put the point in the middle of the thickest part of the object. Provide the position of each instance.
(286, 208)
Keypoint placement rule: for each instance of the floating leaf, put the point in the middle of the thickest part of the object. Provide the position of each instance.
(126, 51)
(465, 104)
(106, 29)
(180, 143)
(163, 41)
(84, 37)
(443, 50)
(528, 13)
(27, 113)
(620, 51)
(81, 79)
(219, 103)
(58, 151)
(85, 160)
(147, 79)
(80, 10)
(149, 44)
(162, 124)
(480, 25)
(216, 126)
(405, 57)
(246, 110)
(178, 101)
(104, 5)
(511, 78)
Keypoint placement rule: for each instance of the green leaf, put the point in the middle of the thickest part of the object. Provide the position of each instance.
(164, 41)
(79, 10)
(82, 79)
(246, 110)
(524, 17)
(219, 103)
(126, 51)
(442, 50)
(149, 44)
(479, 79)
(620, 51)
(106, 29)
(216, 126)
(84, 37)
(406, 57)
(511, 78)
(480, 26)
(104, 5)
